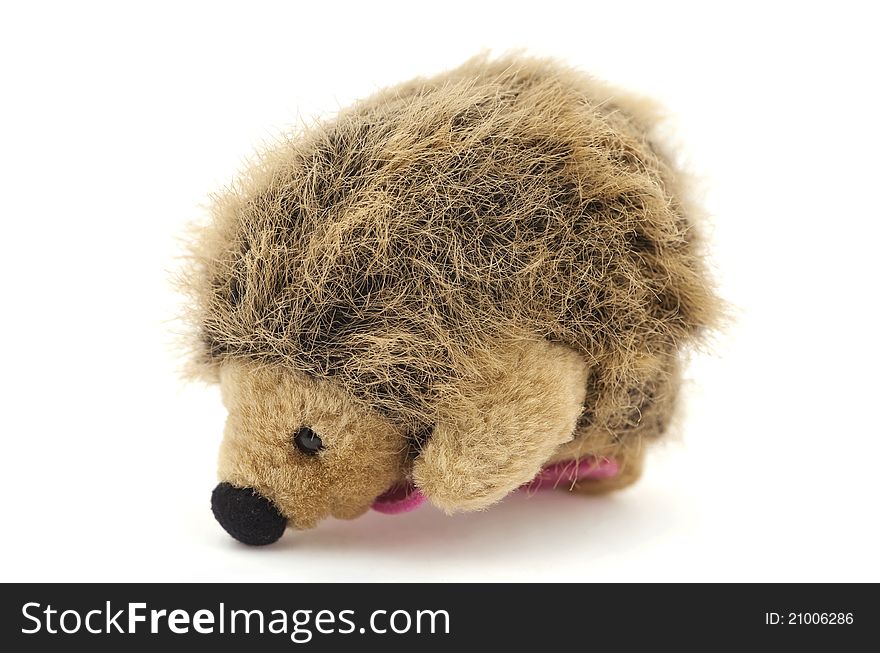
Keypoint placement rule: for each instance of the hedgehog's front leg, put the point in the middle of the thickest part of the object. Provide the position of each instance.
(495, 432)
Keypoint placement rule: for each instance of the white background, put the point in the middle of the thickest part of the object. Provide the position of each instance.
(117, 121)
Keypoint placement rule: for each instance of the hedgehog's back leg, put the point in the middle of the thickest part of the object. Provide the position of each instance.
(494, 433)
(623, 423)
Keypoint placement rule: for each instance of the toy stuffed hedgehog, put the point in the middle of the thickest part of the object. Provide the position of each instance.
(457, 287)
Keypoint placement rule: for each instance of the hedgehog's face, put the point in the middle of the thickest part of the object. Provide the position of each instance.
(296, 450)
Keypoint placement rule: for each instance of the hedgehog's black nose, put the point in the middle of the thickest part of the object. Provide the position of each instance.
(246, 515)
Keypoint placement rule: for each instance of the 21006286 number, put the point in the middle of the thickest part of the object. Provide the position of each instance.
(808, 618)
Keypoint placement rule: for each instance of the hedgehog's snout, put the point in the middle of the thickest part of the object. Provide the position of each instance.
(247, 515)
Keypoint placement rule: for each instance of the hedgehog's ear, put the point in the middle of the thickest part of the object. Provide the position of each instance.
(497, 431)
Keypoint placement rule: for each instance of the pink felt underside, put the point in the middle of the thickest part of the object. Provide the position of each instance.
(568, 471)
(403, 498)
(400, 498)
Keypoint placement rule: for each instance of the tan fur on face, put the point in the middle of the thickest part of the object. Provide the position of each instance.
(363, 452)
(495, 432)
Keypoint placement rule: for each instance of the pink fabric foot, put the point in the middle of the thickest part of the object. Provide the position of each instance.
(568, 471)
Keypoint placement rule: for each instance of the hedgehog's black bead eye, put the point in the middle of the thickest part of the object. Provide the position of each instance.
(307, 441)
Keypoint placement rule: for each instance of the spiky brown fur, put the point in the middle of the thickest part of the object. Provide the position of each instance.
(394, 249)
